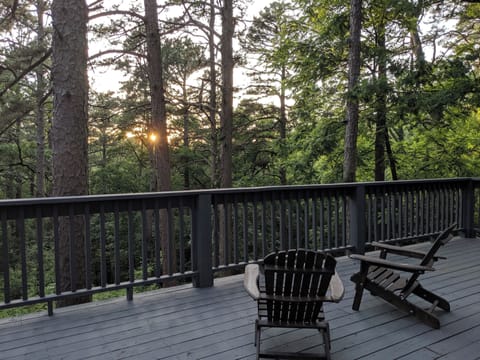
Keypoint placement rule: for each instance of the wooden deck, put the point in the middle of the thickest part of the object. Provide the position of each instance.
(217, 323)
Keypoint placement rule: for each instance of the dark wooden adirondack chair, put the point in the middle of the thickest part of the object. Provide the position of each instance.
(290, 288)
(382, 278)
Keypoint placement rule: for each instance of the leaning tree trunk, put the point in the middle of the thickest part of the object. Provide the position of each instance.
(352, 113)
(69, 134)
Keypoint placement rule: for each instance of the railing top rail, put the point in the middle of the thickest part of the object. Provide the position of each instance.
(193, 193)
(418, 182)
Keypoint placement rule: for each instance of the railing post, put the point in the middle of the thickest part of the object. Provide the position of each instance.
(202, 241)
(468, 209)
(357, 219)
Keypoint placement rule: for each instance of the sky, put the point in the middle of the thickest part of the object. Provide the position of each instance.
(107, 79)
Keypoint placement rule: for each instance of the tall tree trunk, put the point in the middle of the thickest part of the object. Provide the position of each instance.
(352, 113)
(69, 133)
(381, 105)
(283, 127)
(226, 123)
(39, 108)
(157, 93)
(226, 119)
(159, 124)
(215, 183)
(186, 135)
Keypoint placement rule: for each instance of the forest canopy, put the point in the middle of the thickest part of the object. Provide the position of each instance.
(213, 96)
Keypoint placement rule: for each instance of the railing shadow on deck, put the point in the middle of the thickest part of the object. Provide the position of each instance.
(53, 248)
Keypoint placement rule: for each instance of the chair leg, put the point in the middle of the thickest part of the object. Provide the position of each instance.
(360, 280)
(326, 341)
(432, 298)
(258, 330)
(358, 296)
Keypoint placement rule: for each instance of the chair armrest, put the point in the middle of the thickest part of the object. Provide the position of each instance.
(250, 278)
(336, 288)
(399, 250)
(391, 264)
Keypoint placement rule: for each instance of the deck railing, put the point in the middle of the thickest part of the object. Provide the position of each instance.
(53, 248)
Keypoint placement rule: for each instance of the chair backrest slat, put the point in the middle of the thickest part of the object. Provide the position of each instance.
(297, 282)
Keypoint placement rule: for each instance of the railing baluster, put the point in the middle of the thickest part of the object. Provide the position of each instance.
(336, 221)
(297, 224)
(145, 237)
(255, 227)
(131, 246)
(40, 270)
(264, 227)
(235, 229)
(322, 222)
(245, 230)
(370, 216)
(314, 221)
(116, 242)
(344, 219)
(283, 240)
(181, 237)
(56, 239)
(158, 260)
(5, 259)
(103, 248)
(23, 252)
(226, 234)
(272, 221)
(400, 214)
(290, 216)
(382, 215)
(423, 214)
(73, 247)
(171, 253)
(88, 248)
(329, 221)
(306, 215)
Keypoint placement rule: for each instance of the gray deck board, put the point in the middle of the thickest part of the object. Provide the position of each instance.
(217, 323)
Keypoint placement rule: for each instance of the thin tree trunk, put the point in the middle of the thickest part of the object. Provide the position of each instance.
(283, 128)
(186, 136)
(391, 158)
(213, 99)
(40, 109)
(69, 134)
(381, 106)
(352, 113)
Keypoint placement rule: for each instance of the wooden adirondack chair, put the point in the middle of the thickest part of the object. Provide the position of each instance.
(290, 288)
(380, 276)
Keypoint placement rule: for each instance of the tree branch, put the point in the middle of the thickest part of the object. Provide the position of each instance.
(117, 12)
(116, 51)
(26, 71)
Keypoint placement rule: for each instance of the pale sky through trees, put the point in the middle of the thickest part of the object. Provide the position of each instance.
(104, 79)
